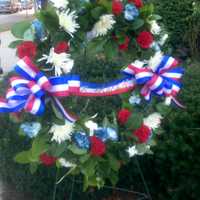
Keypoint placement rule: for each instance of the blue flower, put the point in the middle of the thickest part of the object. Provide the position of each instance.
(81, 140)
(106, 133)
(131, 12)
(38, 29)
(31, 129)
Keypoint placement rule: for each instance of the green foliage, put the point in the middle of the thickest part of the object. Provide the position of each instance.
(180, 22)
(20, 28)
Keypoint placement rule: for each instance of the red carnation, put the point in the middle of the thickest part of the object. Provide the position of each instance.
(47, 160)
(123, 116)
(145, 39)
(143, 133)
(117, 7)
(98, 148)
(138, 3)
(124, 46)
(61, 47)
(27, 48)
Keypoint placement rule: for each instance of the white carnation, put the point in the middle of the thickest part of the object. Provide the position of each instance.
(163, 39)
(61, 62)
(64, 163)
(104, 24)
(60, 3)
(62, 133)
(92, 126)
(67, 20)
(155, 28)
(155, 60)
(153, 121)
(132, 151)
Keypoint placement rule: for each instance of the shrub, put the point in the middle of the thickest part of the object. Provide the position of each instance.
(175, 15)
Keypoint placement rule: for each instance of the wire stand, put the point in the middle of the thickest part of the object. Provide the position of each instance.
(141, 196)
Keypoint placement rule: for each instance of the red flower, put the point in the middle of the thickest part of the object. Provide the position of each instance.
(123, 116)
(98, 148)
(47, 160)
(27, 48)
(61, 47)
(145, 39)
(138, 3)
(143, 133)
(117, 7)
(124, 46)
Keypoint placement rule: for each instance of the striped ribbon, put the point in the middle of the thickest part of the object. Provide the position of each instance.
(162, 80)
(29, 90)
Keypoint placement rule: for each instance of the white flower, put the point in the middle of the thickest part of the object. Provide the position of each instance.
(92, 126)
(153, 121)
(61, 62)
(138, 63)
(155, 28)
(155, 60)
(163, 39)
(64, 163)
(105, 24)
(135, 99)
(132, 151)
(67, 20)
(168, 101)
(62, 132)
(60, 3)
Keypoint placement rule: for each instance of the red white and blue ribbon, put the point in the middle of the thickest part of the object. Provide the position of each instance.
(29, 90)
(162, 80)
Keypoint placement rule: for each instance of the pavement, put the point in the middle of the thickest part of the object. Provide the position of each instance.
(8, 56)
(7, 61)
(7, 20)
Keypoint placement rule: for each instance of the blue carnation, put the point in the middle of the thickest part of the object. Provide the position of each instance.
(131, 12)
(106, 133)
(81, 140)
(31, 129)
(38, 29)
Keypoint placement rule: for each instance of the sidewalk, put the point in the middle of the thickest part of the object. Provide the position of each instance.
(7, 56)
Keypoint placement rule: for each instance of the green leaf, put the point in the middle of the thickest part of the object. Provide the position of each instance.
(84, 158)
(50, 19)
(22, 157)
(33, 167)
(19, 29)
(74, 149)
(111, 50)
(107, 4)
(15, 43)
(114, 177)
(138, 23)
(155, 17)
(163, 109)
(88, 168)
(135, 121)
(97, 12)
(114, 163)
(28, 35)
(39, 146)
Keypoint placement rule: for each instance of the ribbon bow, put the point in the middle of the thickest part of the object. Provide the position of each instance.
(162, 80)
(28, 91)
